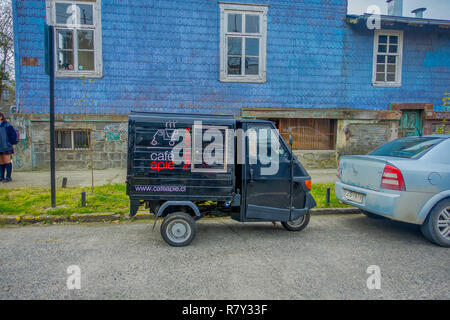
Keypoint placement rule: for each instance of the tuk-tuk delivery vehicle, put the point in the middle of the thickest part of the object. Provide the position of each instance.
(183, 167)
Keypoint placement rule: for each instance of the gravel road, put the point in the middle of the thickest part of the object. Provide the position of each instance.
(227, 260)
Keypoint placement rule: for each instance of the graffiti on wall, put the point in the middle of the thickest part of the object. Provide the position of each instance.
(113, 132)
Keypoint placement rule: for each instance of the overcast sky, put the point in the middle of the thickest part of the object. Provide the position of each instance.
(436, 9)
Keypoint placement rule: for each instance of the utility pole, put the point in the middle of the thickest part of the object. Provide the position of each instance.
(50, 70)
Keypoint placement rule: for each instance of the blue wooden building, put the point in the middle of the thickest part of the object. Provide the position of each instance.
(339, 83)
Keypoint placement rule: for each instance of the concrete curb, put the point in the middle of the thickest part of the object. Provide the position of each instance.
(105, 217)
(335, 211)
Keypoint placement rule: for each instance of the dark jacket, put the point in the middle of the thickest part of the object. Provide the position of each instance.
(8, 136)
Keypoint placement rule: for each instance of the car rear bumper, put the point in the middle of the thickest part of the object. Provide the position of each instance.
(396, 205)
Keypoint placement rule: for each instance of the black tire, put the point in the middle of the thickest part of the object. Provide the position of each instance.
(373, 215)
(436, 227)
(182, 223)
(297, 225)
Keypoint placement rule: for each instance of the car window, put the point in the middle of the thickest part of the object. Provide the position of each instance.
(260, 135)
(410, 147)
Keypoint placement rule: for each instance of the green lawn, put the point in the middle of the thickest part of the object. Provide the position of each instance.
(319, 192)
(108, 198)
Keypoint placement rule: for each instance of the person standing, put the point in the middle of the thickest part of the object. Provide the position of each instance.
(8, 137)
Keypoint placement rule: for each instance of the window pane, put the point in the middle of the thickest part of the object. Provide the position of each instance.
(85, 14)
(63, 139)
(382, 48)
(65, 39)
(392, 59)
(64, 13)
(251, 23)
(234, 22)
(380, 77)
(382, 39)
(235, 46)
(234, 65)
(381, 68)
(391, 77)
(391, 68)
(80, 139)
(86, 39)
(381, 59)
(85, 60)
(393, 39)
(65, 60)
(251, 47)
(252, 66)
(392, 49)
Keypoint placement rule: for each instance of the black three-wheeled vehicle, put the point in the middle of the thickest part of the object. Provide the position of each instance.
(183, 166)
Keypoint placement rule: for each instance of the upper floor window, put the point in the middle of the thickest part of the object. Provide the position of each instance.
(243, 32)
(387, 60)
(78, 48)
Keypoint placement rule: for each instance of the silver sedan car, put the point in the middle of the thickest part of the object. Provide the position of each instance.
(407, 179)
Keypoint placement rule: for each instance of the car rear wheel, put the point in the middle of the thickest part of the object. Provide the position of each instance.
(436, 227)
(297, 224)
(178, 229)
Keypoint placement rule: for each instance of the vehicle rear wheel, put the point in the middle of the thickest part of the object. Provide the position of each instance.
(372, 215)
(436, 227)
(178, 229)
(297, 224)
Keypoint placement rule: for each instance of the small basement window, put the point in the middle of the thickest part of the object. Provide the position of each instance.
(72, 139)
(308, 134)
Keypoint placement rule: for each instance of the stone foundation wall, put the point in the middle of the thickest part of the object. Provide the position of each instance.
(108, 148)
(317, 159)
(363, 136)
(109, 142)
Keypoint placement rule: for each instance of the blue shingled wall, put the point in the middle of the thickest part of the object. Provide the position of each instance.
(425, 74)
(164, 56)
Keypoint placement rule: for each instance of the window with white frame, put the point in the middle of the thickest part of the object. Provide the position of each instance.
(72, 139)
(387, 64)
(78, 48)
(243, 33)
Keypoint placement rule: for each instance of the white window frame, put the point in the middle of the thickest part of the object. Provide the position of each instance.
(72, 139)
(399, 54)
(257, 9)
(97, 29)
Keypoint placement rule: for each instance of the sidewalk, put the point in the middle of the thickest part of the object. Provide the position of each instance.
(110, 176)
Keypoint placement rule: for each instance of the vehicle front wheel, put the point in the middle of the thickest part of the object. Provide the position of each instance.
(178, 229)
(297, 224)
(436, 227)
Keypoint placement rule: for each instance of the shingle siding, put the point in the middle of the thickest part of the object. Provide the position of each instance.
(164, 56)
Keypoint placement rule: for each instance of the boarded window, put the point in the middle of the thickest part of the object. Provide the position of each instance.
(308, 134)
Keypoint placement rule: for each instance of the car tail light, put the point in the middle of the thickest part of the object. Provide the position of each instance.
(308, 184)
(392, 179)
